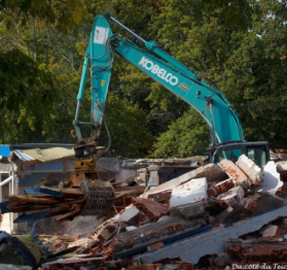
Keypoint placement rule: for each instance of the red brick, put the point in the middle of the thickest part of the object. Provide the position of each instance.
(234, 172)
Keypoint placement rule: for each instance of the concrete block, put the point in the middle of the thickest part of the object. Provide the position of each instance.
(210, 171)
(270, 231)
(191, 249)
(250, 169)
(232, 197)
(235, 173)
(271, 179)
(193, 191)
(189, 211)
(228, 213)
(130, 228)
(163, 218)
(127, 214)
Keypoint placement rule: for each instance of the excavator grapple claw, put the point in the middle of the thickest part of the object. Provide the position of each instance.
(99, 196)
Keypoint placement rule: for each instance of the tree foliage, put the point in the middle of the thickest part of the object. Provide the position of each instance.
(239, 45)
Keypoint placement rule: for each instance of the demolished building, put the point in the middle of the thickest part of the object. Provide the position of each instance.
(210, 217)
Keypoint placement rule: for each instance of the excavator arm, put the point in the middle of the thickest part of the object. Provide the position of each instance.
(98, 61)
(227, 139)
(190, 86)
(99, 195)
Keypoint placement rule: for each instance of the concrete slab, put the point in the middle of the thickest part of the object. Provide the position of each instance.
(210, 171)
(193, 248)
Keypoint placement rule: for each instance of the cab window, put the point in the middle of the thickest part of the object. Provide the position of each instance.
(232, 154)
(258, 155)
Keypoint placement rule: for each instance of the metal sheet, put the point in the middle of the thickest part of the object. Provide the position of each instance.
(22, 156)
(49, 154)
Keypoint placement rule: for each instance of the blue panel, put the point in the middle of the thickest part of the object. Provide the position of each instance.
(50, 192)
(4, 208)
(5, 150)
(31, 191)
(31, 217)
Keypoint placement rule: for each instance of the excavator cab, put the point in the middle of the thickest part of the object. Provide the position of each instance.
(257, 151)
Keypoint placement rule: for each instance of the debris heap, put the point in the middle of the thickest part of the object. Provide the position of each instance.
(213, 216)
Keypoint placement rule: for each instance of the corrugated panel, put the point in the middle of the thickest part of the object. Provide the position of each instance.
(49, 154)
(22, 156)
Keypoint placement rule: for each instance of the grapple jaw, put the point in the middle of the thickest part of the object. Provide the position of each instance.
(99, 196)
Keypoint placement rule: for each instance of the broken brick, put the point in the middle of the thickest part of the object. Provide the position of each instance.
(257, 250)
(220, 187)
(160, 196)
(127, 243)
(155, 246)
(234, 172)
(210, 171)
(151, 208)
(232, 197)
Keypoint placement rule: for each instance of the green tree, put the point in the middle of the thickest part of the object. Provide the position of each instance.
(37, 61)
(24, 88)
(255, 76)
(128, 129)
(187, 136)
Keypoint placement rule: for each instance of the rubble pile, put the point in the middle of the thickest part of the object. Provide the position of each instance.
(211, 217)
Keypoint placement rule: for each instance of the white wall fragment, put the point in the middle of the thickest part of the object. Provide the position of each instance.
(271, 179)
(193, 191)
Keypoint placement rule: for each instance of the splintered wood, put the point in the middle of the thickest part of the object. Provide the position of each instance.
(66, 203)
(47, 202)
